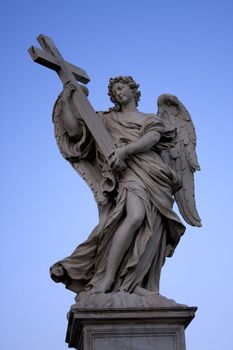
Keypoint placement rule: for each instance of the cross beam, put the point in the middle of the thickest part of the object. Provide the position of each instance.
(46, 59)
(50, 57)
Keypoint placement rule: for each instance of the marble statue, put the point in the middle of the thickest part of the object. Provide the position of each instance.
(136, 164)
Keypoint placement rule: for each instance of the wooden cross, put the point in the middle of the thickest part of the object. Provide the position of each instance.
(50, 57)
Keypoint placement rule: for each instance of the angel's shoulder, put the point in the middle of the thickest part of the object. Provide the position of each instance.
(153, 122)
(103, 115)
(151, 118)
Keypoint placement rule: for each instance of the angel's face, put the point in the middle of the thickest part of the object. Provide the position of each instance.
(122, 93)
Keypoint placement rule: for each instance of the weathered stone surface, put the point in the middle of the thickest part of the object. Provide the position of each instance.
(122, 300)
(129, 328)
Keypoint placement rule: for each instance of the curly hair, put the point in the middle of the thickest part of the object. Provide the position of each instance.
(127, 80)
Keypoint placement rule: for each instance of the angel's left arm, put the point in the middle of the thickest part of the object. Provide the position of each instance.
(144, 143)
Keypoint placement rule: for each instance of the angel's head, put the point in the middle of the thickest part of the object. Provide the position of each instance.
(123, 80)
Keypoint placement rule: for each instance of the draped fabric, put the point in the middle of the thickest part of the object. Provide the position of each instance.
(154, 183)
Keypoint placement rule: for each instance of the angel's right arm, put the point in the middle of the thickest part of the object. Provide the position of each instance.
(69, 116)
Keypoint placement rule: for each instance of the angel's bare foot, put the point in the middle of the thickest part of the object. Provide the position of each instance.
(143, 292)
(103, 287)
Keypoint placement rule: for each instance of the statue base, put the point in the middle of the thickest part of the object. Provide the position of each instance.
(128, 328)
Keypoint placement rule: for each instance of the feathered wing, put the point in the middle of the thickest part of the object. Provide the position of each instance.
(182, 158)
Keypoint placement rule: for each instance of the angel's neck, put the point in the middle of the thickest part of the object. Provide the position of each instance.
(129, 107)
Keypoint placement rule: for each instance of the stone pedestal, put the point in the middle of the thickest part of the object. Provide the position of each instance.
(155, 328)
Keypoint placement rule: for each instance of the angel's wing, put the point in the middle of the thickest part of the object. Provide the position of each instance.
(182, 158)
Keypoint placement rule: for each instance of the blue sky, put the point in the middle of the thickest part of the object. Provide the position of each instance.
(179, 47)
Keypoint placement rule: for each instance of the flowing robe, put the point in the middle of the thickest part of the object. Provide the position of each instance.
(149, 178)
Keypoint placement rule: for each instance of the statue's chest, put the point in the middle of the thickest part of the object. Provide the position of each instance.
(124, 130)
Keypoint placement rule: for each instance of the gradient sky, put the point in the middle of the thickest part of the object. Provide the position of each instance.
(179, 47)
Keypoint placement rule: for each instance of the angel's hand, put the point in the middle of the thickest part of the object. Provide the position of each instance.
(117, 158)
(69, 89)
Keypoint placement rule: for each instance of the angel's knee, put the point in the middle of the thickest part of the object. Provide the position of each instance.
(135, 211)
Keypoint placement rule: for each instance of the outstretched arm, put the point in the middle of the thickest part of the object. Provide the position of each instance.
(143, 144)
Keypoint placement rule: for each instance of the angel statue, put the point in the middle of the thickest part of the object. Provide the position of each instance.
(152, 165)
